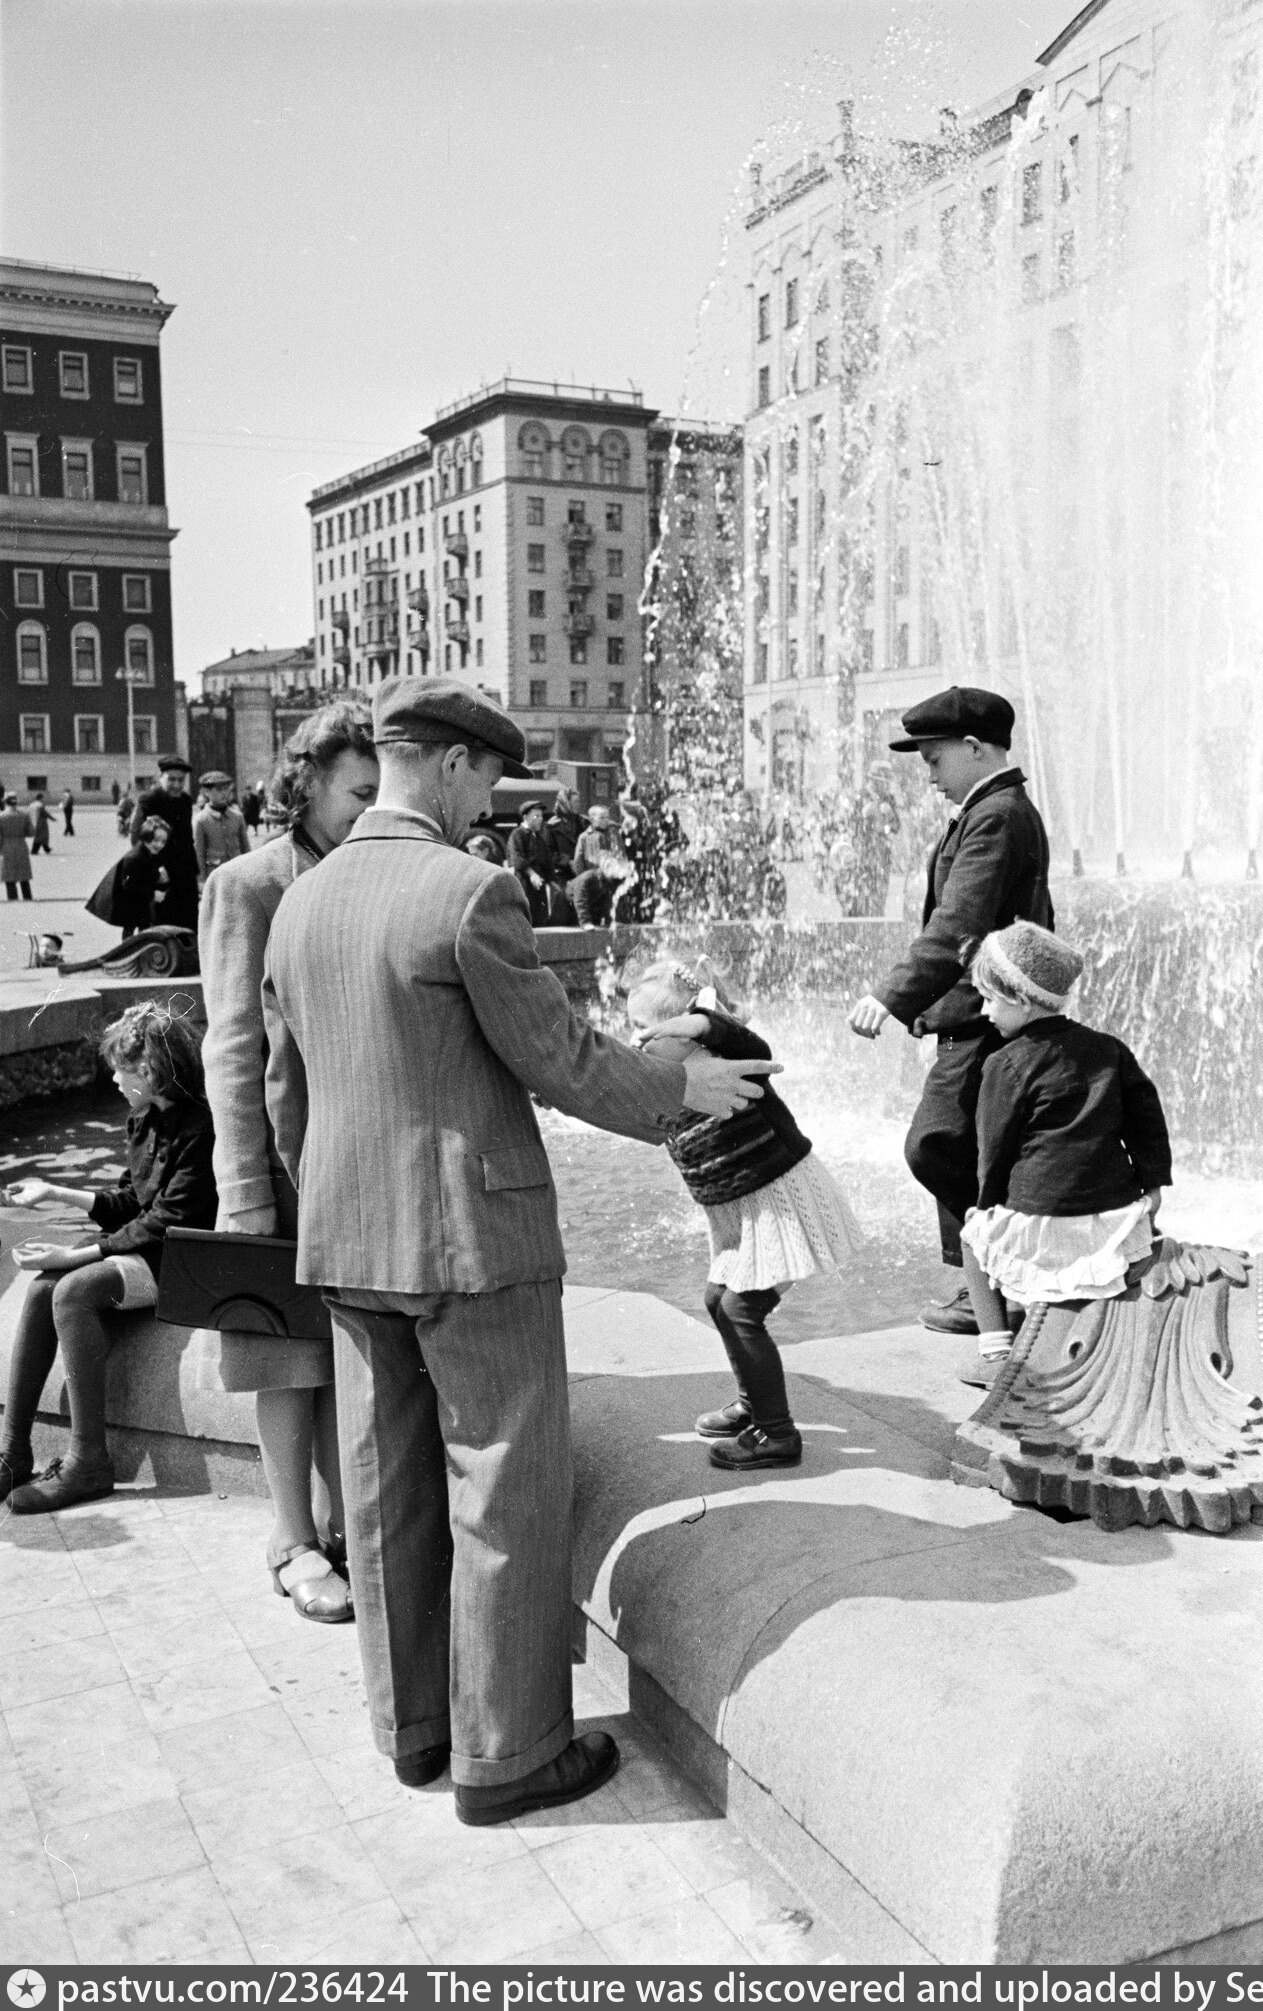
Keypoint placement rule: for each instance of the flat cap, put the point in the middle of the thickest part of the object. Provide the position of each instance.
(446, 711)
(963, 709)
(214, 778)
(169, 762)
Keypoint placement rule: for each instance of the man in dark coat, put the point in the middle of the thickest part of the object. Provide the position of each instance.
(171, 802)
(532, 858)
(564, 829)
(988, 869)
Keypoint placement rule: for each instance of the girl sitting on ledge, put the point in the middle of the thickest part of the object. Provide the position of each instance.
(157, 1063)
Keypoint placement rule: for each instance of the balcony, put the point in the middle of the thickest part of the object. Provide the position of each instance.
(458, 631)
(457, 589)
(578, 534)
(579, 580)
(420, 600)
(342, 655)
(579, 624)
(341, 621)
(457, 544)
(376, 566)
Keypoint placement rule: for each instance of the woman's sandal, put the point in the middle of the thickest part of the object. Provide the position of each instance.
(313, 1585)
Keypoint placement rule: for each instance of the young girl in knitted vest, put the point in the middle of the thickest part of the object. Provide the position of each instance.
(774, 1213)
(1073, 1151)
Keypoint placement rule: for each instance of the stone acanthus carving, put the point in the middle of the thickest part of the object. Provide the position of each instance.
(1146, 1408)
(164, 952)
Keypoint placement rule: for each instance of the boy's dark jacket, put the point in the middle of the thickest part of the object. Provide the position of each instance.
(726, 1158)
(169, 1183)
(988, 869)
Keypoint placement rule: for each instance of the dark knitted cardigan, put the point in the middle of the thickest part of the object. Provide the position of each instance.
(726, 1158)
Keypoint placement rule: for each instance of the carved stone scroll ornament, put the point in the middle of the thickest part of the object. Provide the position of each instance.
(163, 952)
(1146, 1408)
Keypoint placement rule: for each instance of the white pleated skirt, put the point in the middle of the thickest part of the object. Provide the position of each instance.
(1054, 1258)
(794, 1227)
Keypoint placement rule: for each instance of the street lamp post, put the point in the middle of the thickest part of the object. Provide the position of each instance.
(128, 677)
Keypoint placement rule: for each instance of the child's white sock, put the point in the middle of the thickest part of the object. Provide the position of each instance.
(992, 1346)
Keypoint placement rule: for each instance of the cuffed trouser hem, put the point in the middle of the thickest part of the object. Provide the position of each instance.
(412, 1738)
(474, 1773)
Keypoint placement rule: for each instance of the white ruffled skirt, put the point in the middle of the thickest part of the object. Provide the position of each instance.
(1054, 1258)
(794, 1227)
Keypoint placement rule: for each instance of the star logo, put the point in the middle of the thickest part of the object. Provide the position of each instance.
(27, 1987)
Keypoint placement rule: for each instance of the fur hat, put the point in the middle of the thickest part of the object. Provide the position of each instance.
(1027, 965)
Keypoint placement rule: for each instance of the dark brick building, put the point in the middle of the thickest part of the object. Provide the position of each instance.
(85, 579)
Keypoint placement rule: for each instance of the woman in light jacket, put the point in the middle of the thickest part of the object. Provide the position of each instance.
(327, 775)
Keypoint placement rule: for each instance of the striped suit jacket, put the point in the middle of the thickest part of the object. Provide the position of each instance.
(408, 1019)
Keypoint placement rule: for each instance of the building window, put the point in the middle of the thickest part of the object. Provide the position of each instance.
(791, 303)
(822, 360)
(614, 563)
(614, 607)
(477, 516)
(901, 646)
(1065, 261)
(535, 603)
(23, 466)
(688, 523)
(903, 570)
(613, 516)
(478, 652)
(1032, 192)
(28, 586)
(534, 558)
(34, 730)
(72, 366)
(791, 658)
(18, 375)
(83, 594)
(579, 693)
(145, 731)
(477, 565)
(765, 316)
(760, 664)
(89, 733)
(576, 513)
(791, 454)
(1068, 170)
(136, 593)
(535, 509)
(613, 461)
(539, 691)
(614, 698)
(133, 481)
(537, 648)
(90, 785)
(765, 385)
(791, 594)
(533, 464)
(76, 470)
(791, 521)
(1030, 278)
(128, 381)
(319, 531)
(85, 660)
(32, 654)
(578, 650)
(477, 607)
(138, 655)
(614, 649)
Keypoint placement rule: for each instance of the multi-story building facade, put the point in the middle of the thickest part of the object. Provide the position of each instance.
(85, 575)
(973, 436)
(693, 594)
(278, 671)
(508, 546)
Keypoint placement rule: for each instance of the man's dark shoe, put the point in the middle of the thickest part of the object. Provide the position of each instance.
(756, 1447)
(61, 1485)
(585, 1765)
(725, 1423)
(14, 1472)
(950, 1316)
(417, 1770)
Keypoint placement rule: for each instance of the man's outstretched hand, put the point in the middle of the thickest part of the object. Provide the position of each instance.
(868, 1016)
(718, 1088)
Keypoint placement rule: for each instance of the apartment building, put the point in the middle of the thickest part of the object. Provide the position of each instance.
(85, 575)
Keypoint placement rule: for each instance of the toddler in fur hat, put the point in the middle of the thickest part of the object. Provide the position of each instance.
(1073, 1151)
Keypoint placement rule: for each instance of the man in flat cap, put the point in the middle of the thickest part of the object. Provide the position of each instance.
(532, 858)
(408, 1021)
(219, 829)
(171, 801)
(988, 869)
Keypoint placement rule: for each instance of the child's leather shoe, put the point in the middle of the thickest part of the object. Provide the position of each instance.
(756, 1447)
(725, 1423)
(61, 1485)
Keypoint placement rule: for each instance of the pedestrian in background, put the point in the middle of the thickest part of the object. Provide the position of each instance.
(15, 858)
(532, 859)
(219, 829)
(43, 828)
(171, 802)
(68, 813)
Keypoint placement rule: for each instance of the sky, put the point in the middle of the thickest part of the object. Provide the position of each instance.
(363, 209)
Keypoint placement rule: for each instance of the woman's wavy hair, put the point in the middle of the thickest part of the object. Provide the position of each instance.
(163, 1045)
(343, 725)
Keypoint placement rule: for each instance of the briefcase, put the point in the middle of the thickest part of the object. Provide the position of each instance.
(238, 1284)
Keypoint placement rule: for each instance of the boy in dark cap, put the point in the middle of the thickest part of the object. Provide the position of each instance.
(532, 858)
(990, 868)
(219, 830)
(171, 802)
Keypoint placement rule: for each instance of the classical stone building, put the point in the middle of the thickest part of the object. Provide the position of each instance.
(85, 575)
(508, 546)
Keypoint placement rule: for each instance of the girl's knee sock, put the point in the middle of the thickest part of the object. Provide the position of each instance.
(79, 1302)
(754, 1356)
(34, 1352)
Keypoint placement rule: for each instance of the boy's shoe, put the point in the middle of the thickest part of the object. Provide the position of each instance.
(726, 1423)
(585, 1765)
(756, 1447)
(950, 1316)
(14, 1472)
(61, 1485)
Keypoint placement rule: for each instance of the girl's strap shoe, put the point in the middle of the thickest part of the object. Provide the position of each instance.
(313, 1586)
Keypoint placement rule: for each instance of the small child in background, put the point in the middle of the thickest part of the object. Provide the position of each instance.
(1073, 1151)
(773, 1212)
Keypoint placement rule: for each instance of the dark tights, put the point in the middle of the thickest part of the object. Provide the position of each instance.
(65, 1310)
(753, 1354)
